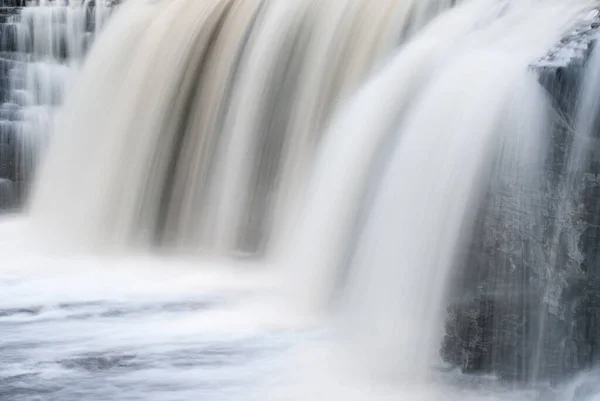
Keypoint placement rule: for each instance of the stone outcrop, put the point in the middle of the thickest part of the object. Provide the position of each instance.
(527, 299)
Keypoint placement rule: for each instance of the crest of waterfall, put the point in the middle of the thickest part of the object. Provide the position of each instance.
(42, 47)
(203, 123)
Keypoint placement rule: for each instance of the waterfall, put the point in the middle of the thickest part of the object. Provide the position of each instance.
(199, 134)
(400, 161)
(387, 258)
(318, 240)
(43, 46)
(342, 171)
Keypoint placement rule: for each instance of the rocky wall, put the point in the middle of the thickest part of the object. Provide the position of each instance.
(526, 301)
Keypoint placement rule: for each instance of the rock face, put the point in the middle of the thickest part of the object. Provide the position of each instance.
(527, 304)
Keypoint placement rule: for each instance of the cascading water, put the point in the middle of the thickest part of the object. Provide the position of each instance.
(43, 45)
(399, 266)
(203, 178)
(394, 161)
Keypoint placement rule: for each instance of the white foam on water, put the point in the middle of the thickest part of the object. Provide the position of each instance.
(136, 327)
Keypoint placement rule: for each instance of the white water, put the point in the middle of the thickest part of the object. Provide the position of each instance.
(73, 329)
(194, 125)
(319, 240)
(232, 156)
(49, 41)
(132, 329)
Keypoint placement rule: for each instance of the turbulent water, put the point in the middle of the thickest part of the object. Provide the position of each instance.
(296, 200)
(82, 331)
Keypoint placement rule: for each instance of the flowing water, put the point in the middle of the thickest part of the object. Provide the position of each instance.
(42, 48)
(279, 199)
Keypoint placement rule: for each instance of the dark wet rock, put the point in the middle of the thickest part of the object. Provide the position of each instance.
(9, 37)
(10, 112)
(7, 161)
(561, 70)
(7, 133)
(526, 304)
(7, 195)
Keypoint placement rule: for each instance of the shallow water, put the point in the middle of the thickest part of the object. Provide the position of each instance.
(151, 328)
(134, 329)
(128, 347)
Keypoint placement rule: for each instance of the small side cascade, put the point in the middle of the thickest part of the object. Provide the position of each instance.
(42, 45)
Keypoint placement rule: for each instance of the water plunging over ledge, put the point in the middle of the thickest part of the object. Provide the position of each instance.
(301, 199)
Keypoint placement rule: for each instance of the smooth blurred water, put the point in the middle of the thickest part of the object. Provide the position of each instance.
(148, 328)
(132, 170)
(98, 340)
(82, 328)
